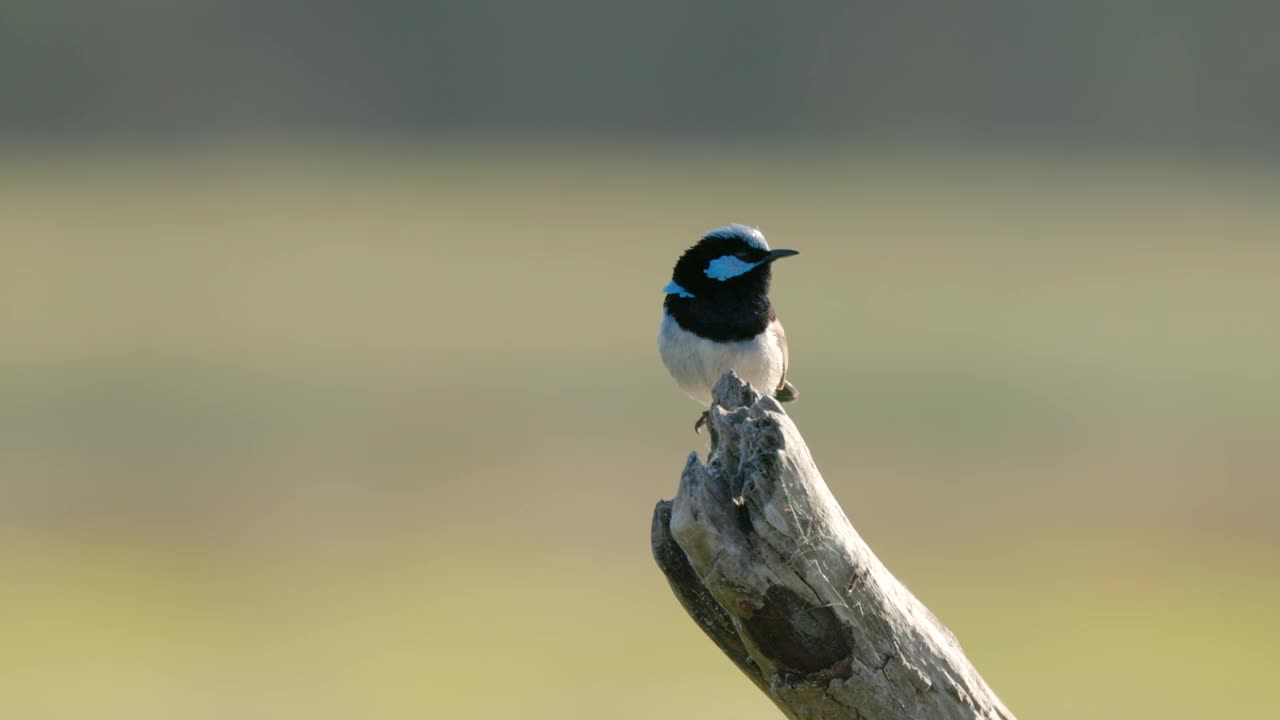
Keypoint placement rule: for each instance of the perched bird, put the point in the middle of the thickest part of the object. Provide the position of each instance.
(717, 317)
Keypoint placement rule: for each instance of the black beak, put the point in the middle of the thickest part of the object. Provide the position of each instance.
(779, 254)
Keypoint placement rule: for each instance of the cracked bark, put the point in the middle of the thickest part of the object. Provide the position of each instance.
(763, 559)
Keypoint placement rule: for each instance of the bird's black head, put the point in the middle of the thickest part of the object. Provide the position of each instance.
(720, 286)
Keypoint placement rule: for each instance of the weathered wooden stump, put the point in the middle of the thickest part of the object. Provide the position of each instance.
(767, 564)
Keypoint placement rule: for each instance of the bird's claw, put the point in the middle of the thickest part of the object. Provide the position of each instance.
(702, 420)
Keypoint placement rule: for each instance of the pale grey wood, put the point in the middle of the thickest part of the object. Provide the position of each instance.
(764, 560)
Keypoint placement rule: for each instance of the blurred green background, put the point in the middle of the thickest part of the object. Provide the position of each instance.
(329, 387)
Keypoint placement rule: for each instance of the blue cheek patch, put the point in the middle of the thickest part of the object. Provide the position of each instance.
(728, 266)
(673, 288)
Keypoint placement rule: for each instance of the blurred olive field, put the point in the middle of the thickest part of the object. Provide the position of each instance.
(375, 431)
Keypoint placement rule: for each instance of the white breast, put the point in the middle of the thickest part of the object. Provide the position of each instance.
(696, 363)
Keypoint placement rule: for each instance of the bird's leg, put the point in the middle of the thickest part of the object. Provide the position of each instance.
(702, 420)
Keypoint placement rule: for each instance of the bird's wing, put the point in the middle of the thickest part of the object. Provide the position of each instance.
(786, 392)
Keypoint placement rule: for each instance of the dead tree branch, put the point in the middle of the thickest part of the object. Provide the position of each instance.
(764, 560)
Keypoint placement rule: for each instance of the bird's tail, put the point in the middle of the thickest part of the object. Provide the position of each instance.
(786, 392)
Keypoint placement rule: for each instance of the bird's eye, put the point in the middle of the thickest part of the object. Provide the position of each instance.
(743, 255)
